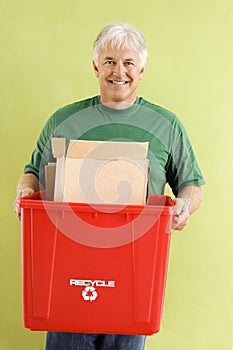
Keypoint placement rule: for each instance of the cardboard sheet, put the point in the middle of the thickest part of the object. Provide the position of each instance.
(116, 181)
(105, 172)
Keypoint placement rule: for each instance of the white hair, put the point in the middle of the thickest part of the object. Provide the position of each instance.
(121, 36)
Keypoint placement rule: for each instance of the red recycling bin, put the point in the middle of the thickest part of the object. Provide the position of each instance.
(94, 268)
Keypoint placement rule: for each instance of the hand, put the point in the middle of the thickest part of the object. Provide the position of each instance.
(25, 192)
(181, 216)
(28, 184)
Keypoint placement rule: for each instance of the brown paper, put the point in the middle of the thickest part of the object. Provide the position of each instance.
(106, 172)
(50, 171)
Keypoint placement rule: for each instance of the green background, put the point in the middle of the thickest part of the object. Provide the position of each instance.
(46, 49)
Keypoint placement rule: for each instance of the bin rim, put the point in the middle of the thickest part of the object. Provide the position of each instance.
(37, 200)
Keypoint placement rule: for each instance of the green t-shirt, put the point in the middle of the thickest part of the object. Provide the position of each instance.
(170, 155)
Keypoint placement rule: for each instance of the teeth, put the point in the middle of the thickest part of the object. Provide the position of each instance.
(118, 82)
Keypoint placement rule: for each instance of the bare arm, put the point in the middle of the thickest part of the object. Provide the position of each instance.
(28, 184)
(187, 202)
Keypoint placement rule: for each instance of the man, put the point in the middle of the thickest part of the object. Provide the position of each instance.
(119, 60)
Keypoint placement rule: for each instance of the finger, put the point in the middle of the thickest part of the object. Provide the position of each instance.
(179, 219)
(26, 192)
(180, 226)
(17, 209)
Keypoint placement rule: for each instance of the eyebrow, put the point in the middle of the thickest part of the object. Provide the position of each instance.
(108, 58)
(111, 58)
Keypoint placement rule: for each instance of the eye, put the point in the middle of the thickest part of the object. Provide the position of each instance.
(109, 62)
(129, 63)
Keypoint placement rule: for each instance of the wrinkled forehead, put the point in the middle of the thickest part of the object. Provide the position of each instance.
(118, 51)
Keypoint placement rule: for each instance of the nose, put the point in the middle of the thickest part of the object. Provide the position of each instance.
(119, 69)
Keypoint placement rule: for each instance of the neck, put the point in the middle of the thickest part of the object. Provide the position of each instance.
(117, 104)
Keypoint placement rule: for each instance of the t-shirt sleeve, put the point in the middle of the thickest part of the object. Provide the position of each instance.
(42, 153)
(182, 167)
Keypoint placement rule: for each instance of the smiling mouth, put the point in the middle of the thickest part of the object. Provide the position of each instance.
(118, 82)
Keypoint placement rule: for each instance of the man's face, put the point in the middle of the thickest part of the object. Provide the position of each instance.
(119, 73)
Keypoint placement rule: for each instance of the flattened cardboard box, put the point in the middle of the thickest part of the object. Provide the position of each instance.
(50, 172)
(104, 172)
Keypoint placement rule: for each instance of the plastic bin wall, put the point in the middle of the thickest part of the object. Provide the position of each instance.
(94, 269)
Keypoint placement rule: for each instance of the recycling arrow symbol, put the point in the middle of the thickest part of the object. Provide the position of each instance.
(89, 293)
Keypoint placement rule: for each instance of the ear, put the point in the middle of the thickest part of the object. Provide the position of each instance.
(142, 71)
(96, 70)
